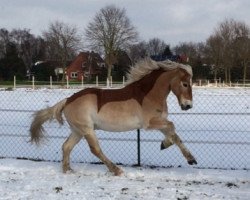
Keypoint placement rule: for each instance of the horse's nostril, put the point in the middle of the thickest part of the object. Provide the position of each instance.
(185, 107)
(188, 106)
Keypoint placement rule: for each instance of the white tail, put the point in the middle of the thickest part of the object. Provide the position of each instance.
(41, 116)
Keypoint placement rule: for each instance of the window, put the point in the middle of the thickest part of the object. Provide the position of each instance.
(73, 75)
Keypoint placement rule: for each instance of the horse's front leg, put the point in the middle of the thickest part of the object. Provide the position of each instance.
(171, 137)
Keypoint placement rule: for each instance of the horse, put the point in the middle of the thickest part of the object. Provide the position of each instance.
(140, 104)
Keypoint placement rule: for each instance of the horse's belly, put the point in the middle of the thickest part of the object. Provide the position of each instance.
(119, 116)
(119, 124)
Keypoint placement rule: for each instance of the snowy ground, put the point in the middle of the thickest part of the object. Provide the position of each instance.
(22, 179)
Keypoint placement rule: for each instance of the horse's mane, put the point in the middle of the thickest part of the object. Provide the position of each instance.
(146, 66)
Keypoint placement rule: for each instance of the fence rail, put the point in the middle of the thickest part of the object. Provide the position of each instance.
(216, 130)
(51, 84)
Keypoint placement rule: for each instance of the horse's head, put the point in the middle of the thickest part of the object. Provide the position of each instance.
(182, 88)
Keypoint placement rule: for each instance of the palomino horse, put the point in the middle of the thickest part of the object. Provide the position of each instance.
(140, 104)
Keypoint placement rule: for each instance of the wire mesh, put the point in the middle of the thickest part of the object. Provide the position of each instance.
(216, 130)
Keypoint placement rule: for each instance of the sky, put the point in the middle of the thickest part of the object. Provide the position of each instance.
(173, 21)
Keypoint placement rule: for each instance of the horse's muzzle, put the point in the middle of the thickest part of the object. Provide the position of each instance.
(185, 107)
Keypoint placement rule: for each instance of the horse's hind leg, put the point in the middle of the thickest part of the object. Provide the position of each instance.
(173, 138)
(67, 147)
(96, 150)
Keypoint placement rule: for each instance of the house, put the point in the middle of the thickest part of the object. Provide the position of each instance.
(86, 65)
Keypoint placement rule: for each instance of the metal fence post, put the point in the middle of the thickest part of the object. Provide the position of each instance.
(138, 147)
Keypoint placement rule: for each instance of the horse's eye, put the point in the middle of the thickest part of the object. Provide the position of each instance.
(185, 84)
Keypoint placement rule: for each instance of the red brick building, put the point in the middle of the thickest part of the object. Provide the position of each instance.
(86, 65)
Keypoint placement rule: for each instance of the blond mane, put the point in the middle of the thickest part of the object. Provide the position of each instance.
(146, 66)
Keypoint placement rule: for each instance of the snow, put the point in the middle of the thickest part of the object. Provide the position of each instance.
(23, 180)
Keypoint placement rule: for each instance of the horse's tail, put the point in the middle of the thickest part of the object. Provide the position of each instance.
(41, 116)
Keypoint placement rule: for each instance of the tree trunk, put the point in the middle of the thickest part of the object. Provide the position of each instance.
(215, 74)
(63, 75)
(109, 72)
(110, 62)
(226, 74)
(229, 75)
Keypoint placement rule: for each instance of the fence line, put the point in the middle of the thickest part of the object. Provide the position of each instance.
(51, 84)
(216, 130)
(110, 83)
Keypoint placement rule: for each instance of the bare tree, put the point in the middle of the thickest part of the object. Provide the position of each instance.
(62, 41)
(26, 45)
(229, 47)
(138, 51)
(227, 34)
(242, 47)
(109, 32)
(156, 46)
(189, 49)
(4, 40)
(214, 53)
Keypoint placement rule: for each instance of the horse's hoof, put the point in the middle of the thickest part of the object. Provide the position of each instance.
(118, 172)
(167, 144)
(192, 162)
(162, 146)
(68, 171)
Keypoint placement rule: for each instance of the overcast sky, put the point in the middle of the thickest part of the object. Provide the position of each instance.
(173, 21)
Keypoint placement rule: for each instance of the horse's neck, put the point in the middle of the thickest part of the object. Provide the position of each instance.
(161, 87)
(154, 86)
(146, 84)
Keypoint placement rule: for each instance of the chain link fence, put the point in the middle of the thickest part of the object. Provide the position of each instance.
(216, 130)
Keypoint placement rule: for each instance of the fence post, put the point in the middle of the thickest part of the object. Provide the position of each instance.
(33, 82)
(138, 147)
(50, 81)
(82, 80)
(67, 82)
(107, 82)
(96, 80)
(14, 82)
